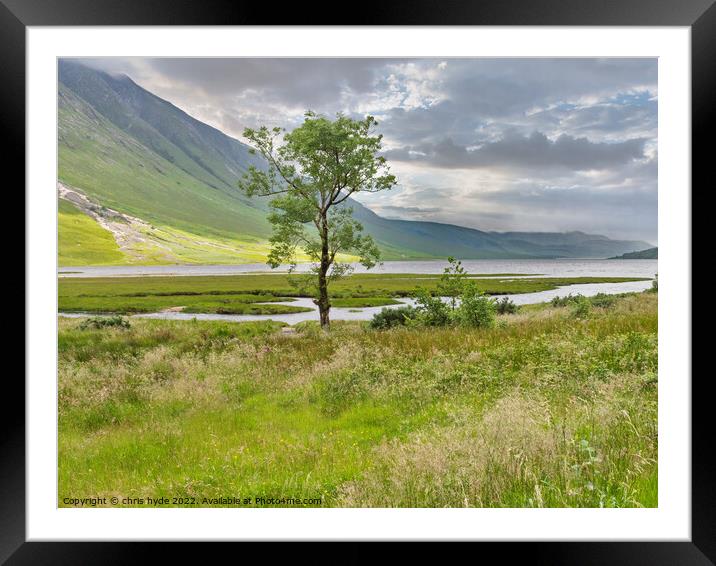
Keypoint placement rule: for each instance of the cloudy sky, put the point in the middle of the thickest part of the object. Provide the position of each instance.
(495, 144)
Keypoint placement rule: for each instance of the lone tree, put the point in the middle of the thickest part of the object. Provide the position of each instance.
(318, 166)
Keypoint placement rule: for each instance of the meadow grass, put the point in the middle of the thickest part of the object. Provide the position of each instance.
(545, 409)
(199, 303)
(362, 302)
(137, 294)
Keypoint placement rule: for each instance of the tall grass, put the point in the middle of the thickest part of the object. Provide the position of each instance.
(545, 409)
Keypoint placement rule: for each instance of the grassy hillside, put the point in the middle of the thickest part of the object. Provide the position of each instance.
(117, 170)
(545, 410)
(82, 241)
(201, 151)
(202, 216)
(140, 155)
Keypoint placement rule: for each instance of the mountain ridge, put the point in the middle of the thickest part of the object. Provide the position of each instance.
(136, 153)
(650, 253)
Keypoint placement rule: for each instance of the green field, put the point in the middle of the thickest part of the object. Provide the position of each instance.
(82, 241)
(362, 302)
(217, 304)
(146, 294)
(544, 410)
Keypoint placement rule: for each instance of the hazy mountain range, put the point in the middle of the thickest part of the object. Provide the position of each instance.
(651, 253)
(141, 181)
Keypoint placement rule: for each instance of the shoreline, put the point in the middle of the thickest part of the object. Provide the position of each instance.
(366, 313)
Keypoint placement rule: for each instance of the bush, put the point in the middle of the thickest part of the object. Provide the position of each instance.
(581, 307)
(506, 306)
(389, 318)
(476, 310)
(432, 311)
(96, 322)
(654, 284)
(452, 281)
(602, 300)
(580, 302)
(566, 301)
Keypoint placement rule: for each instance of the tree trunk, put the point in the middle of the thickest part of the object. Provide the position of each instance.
(324, 305)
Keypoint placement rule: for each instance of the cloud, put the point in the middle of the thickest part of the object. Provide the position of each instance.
(292, 80)
(502, 143)
(387, 208)
(505, 87)
(533, 151)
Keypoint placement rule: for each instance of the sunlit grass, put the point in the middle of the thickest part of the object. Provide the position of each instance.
(543, 410)
(361, 302)
(199, 303)
(82, 241)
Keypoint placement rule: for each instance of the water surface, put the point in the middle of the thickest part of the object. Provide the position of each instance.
(367, 313)
(533, 267)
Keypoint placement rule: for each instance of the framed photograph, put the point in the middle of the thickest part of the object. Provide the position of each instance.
(392, 279)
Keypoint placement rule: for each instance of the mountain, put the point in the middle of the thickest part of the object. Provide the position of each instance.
(651, 253)
(164, 185)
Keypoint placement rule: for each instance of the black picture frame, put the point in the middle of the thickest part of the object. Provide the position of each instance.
(699, 15)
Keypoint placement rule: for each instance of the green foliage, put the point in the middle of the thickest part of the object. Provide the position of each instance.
(565, 301)
(452, 281)
(654, 284)
(582, 304)
(581, 307)
(432, 311)
(389, 318)
(506, 306)
(475, 310)
(602, 300)
(318, 167)
(96, 322)
(468, 306)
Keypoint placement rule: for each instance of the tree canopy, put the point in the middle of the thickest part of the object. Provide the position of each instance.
(311, 172)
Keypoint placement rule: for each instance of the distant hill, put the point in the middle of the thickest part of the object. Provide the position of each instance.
(164, 184)
(651, 253)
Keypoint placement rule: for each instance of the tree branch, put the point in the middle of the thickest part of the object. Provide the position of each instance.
(349, 193)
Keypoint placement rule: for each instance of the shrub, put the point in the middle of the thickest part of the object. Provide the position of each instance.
(654, 284)
(565, 301)
(476, 310)
(104, 322)
(581, 307)
(432, 311)
(506, 306)
(602, 300)
(389, 318)
(452, 281)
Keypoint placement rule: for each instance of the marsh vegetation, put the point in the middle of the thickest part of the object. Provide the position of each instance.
(247, 293)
